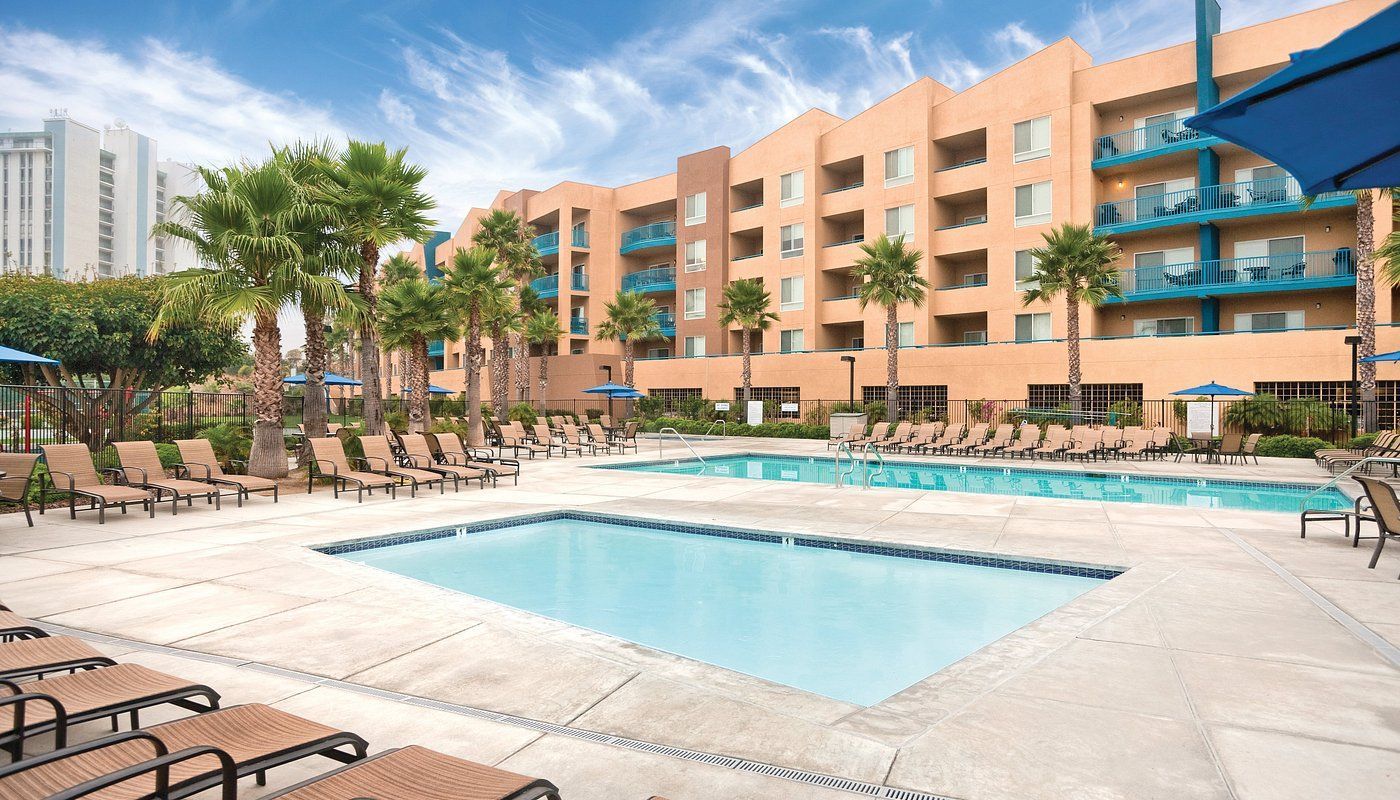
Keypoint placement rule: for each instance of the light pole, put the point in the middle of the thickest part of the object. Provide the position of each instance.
(1354, 341)
(608, 369)
(851, 360)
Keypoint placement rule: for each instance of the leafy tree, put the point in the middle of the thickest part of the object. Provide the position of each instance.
(412, 313)
(473, 284)
(98, 331)
(890, 275)
(747, 304)
(631, 318)
(543, 329)
(1079, 265)
(513, 240)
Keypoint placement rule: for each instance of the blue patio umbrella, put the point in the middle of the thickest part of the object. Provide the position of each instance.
(1317, 118)
(1393, 355)
(431, 390)
(13, 356)
(331, 379)
(615, 390)
(1214, 389)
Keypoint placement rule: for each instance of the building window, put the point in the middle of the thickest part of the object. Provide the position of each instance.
(1169, 326)
(857, 342)
(694, 346)
(1031, 140)
(658, 352)
(790, 240)
(899, 167)
(1025, 270)
(695, 209)
(675, 399)
(791, 341)
(695, 256)
(1032, 327)
(906, 334)
(1271, 259)
(790, 189)
(695, 303)
(1269, 321)
(931, 400)
(1033, 204)
(790, 293)
(899, 222)
(974, 337)
(1095, 396)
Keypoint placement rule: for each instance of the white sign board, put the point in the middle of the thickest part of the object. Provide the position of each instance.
(789, 408)
(1200, 419)
(721, 406)
(755, 412)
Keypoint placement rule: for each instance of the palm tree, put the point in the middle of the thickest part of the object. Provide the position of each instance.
(631, 318)
(473, 283)
(543, 329)
(250, 226)
(513, 240)
(503, 323)
(412, 313)
(1082, 266)
(890, 275)
(395, 270)
(378, 203)
(746, 304)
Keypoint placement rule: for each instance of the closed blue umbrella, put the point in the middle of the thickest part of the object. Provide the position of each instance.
(1393, 355)
(1317, 117)
(13, 356)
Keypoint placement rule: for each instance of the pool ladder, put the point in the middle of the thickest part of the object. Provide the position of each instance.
(1367, 461)
(661, 440)
(865, 474)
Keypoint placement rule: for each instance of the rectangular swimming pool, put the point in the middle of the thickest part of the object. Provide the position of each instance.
(849, 621)
(1112, 487)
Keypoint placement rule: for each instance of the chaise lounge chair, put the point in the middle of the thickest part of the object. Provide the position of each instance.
(198, 463)
(18, 469)
(419, 454)
(379, 458)
(14, 627)
(974, 438)
(422, 774)
(452, 451)
(37, 657)
(926, 436)
(73, 464)
(1057, 441)
(328, 461)
(141, 467)
(1386, 508)
(951, 437)
(1000, 439)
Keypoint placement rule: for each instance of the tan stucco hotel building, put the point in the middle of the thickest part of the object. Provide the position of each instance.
(1224, 276)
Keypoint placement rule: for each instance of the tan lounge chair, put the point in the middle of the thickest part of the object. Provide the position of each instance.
(911, 432)
(35, 658)
(422, 774)
(19, 476)
(900, 433)
(513, 435)
(1136, 442)
(328, 461)
(1000, 439)
(626, 438)
(140, 466)
(419, 454)
(452, 451)
(379, 457)
(1384, 440)
(1385, 507)
(198, 463)
(1088, 444)
(188, 755)
(1027, 441)
(1057, 441)
(600, 438)
(975, 437)
(70, 470)
(14, 627)
(952, 436)
(544, 436)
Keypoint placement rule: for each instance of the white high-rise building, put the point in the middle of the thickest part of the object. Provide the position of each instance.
(77, 202)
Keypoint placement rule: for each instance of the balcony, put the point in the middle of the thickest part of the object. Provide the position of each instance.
(857, 239)
(578, 239)
(968, 163)
(648, 237)
(547, 244)
(967, 282)
(656, 279)
(578, 281)
(435, 348)
(578, 326)
(546, 287)
(978, 220)
(1208, 203)
(1284, 272)
(846, 188)
(1148, 142)
(747, 256)
(667, 323)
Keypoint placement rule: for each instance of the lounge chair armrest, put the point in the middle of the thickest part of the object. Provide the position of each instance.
(366, 459)
(228, 774)
(145, 476)
(53, 472)
(11, 686)
(480, 454)
(118, 476)
(417, 461)
(316, 462)
(458, 459)
(157, 746)
(190, 473)
(21, 700)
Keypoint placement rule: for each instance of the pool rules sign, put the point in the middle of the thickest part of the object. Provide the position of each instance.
(754, 413)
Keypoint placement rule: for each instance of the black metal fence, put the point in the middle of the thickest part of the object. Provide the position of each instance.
(33, 416)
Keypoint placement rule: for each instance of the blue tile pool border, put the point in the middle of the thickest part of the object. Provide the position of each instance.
(771, 537)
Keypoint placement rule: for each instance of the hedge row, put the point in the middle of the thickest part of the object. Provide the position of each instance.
(774, 430)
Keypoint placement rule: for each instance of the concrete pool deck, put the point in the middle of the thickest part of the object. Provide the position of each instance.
(1207, 670)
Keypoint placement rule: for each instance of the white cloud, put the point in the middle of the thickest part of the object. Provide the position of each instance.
(1123, 28)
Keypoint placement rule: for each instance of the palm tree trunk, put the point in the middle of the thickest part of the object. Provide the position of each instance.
(417, 355)
(522, 367)
(1072, 345)
(373, 390)
(544, 374)
(627, 362)
(1366, 305)
(473, 370)
(892, 362)
(314, 409)
(746, 376)
(268, 458)
(500, 377)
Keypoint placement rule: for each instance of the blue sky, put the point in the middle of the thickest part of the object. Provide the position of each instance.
(491, 95)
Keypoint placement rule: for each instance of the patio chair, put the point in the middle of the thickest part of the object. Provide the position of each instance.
(1027, 441)
(898, 433)
(877, 430)
(605, 420)
(1057, 441)
(928, 435)
(974, 438)
(379, 458)
(181, 758)
(423, 774)
(452, 451)
(1383, 440)
(572, 440)
(328, 461)
(1136, 442)
(13, 627)
(627, 438)
(1231, 447)
(73, 464)
(1386, 508)
(19, 477)
(1116, 439)
(54, 703)
(418, 453)
(141, 467)
(198, 463)
(43, 655)
(1162, 442)
(1000, 438)
(543, 435)
(1086, 445)
(600, 438)
(513, 435)
(952, 436)
(904, 432)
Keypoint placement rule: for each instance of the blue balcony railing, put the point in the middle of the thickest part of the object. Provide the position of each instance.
(667, 323)
(435, 348)
(657, 234)
(967, 282)
(579, 238)
(548, 286)
(546, 244)
(578, 326)
(578, 281)
(656, 279)
(1145, 142)
(1204, 203)
(1318, 269)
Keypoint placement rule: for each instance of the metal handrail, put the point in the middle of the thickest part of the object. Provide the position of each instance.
(1303, 504)
(851, 457)
(865, 475)
(723, 429)
(661, 440)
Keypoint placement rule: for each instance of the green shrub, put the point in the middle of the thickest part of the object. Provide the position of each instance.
(1362, 442)
(876, 411)
(230, 442)
(1290, 446)
(777, 430)
(524, 413)
(650, 406)
(1125, 413)
(397, 421)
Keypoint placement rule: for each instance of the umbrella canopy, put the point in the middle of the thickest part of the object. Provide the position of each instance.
(1307, 117)
(1393, 355)
(432, 389)
(14, 356)
(1213, 389)
(615, 390)
(332, 379)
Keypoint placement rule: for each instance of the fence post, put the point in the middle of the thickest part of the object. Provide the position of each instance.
(244, 396)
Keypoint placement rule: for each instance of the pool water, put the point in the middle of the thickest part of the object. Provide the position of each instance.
(854, 626)
(1110, 487)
